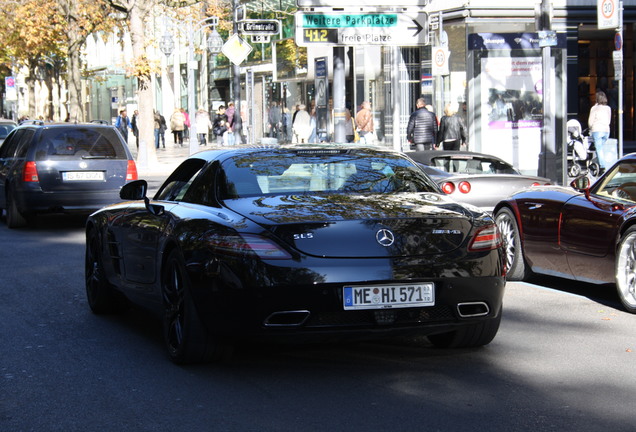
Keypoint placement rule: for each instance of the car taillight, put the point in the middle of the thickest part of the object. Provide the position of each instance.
(464, 187)
(448, 188)
(30, 172)
(131, 170)
(245, 244)
(535, 184)
(486, 238)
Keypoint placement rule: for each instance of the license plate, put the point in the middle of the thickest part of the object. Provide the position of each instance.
(388, 296)
(83, 176)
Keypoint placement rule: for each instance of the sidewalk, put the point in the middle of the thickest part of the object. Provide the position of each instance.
(168, 158)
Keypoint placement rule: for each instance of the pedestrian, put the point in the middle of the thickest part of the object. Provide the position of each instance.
(219, 126)
(186, 124)
(157, 127)
(203, 123)
(302, 126)
(287, 125)
(313, 137)
(177, 125)
(274, 118)
(123, 124)
(452, 131)
(135, 127)
(230, 112)
(599, 124)
(163, 127)
(421, 130)
(364, 121)
(350, 127)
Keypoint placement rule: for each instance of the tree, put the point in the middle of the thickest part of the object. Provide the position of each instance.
(137, 12)
(31, 37)
(82, 18)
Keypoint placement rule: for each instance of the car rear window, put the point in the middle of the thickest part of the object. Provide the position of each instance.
(329, 172)
(80, 142)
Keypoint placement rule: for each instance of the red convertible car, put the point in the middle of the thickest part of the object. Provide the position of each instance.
(586, 232)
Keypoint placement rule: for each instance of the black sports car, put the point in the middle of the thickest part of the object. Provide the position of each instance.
(294, 243)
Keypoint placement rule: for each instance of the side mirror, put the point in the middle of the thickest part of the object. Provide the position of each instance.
(581, 184)
(134, 191)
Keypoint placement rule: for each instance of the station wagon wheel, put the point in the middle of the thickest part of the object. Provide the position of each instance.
(102, 298)
(14, 218)
(626, 270)
(515, 264)
(186, 338)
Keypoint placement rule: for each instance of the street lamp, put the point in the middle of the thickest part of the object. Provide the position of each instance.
(166, 44)
(214, 44)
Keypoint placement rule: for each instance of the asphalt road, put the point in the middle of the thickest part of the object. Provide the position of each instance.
(564, 360)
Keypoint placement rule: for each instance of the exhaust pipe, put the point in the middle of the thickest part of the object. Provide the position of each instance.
(472, 309)
(287, 318)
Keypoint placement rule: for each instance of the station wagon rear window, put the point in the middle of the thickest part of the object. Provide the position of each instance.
(79, 142)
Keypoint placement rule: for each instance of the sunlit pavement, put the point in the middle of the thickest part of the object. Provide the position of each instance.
(168, 158)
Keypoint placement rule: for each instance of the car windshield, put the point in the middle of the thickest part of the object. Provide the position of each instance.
(620, 182)
(80, 142)
(472, 165)
(322, 171)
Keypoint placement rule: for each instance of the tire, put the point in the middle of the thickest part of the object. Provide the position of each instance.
(574, 170)
(626, 270)
(186, 338)
(468, 336)
(515, 263)
(102, 297)
(14, 218)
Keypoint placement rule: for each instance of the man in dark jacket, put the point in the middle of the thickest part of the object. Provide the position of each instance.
(422, 128)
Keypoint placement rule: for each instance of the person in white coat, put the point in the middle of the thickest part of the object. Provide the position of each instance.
(203, 124)
(599, 124)
(302, 125)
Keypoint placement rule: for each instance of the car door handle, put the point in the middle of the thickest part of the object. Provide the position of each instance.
(534, 206)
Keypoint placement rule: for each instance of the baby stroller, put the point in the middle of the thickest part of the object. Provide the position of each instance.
(581, 157)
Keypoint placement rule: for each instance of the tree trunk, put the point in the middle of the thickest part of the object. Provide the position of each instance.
(147, 155)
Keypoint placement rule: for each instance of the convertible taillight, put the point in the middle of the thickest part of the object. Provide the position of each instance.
(245, 244)
(448, 188)
(486, 238)
(131, 171)
(464, 187)
(30, 172)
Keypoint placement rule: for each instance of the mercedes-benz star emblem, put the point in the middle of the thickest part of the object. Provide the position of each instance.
(385, 237)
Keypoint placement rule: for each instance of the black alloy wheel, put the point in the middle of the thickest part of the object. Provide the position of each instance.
(186, 338)
(468, 335)
(102, 297)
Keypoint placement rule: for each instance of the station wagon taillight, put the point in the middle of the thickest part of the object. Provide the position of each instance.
(30, 172)
(131, 170)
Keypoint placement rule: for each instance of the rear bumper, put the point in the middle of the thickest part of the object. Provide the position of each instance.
(307, 304)
(32, 201)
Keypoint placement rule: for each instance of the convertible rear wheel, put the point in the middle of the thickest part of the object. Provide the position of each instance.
(187, 339)
(626, 270)
(515, 264)
(102, 297)
(468, 336)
